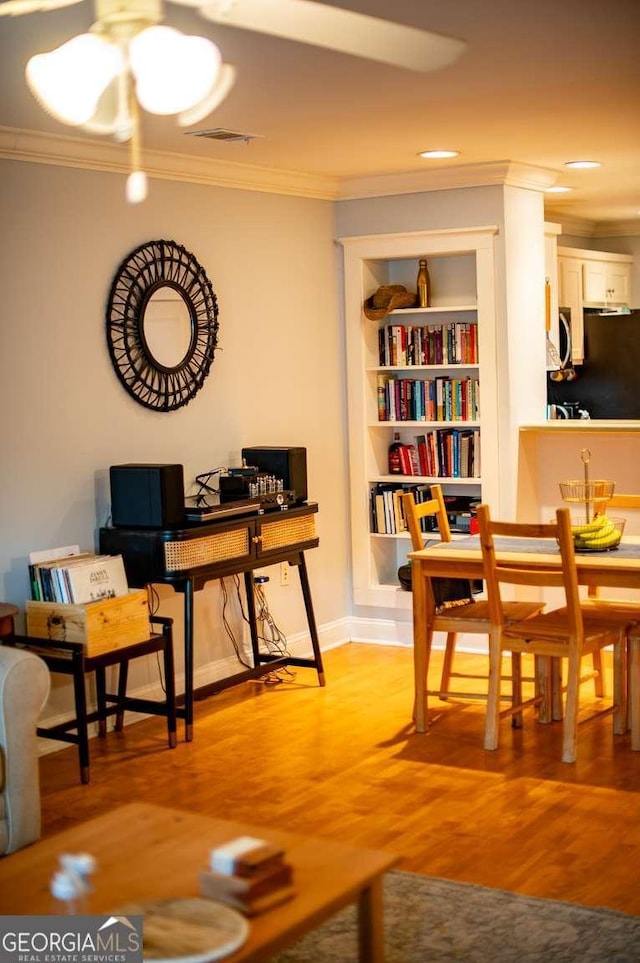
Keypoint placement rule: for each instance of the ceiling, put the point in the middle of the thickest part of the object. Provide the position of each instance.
(542, 82)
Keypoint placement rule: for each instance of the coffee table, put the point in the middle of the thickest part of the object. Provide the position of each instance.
(146, 852)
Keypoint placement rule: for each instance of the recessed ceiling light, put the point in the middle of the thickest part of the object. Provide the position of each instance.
(583, 164)
(437, 154)
(557, 190)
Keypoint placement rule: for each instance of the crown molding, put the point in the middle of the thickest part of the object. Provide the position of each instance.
(63, 151)
(508, 173)
(628, 228)
(83, 153)
(582, 227)
(576, 226)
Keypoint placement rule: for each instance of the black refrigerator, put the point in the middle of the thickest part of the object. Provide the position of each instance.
(608, 383)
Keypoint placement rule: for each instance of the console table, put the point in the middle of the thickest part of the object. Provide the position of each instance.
(189, 557)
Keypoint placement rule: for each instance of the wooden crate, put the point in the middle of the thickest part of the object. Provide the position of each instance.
(100, 626)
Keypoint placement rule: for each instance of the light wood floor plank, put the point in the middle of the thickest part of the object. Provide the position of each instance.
(345, 762)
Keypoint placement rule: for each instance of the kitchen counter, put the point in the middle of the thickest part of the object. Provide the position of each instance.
(578, 425)
(550, 452)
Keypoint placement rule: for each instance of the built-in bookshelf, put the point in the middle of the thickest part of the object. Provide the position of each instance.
(426, 375)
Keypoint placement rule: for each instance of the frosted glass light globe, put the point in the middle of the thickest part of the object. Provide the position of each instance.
(172, 72)
(69, 81)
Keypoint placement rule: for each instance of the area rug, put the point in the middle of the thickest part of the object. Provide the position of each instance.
(430, 920)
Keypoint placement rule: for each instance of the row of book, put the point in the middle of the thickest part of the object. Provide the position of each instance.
(76, 577)
(436, 399)
(406, 345)
(442, 453)
(387, 509)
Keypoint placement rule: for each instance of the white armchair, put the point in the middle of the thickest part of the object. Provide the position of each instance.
(24, 687)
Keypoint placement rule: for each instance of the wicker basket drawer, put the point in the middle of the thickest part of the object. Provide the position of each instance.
(287, 530)
(184, 554)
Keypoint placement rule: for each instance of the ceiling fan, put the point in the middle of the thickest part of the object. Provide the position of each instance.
(128, 59)
(306, 21)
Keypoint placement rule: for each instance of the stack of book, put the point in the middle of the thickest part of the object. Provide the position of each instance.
(250, 874)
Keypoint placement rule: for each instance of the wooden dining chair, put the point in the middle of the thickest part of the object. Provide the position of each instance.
(629, 609)
(568, 633)
(464, 614)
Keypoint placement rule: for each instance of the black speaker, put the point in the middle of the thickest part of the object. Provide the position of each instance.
(147, 496)
(289, 464)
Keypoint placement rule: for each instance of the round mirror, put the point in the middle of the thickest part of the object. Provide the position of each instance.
(162, 325)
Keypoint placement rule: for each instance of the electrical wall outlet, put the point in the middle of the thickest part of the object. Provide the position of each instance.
(284, 573)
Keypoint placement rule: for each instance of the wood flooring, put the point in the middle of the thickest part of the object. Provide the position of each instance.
(345, 762)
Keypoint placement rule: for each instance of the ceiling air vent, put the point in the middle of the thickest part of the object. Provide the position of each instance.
(222, 134)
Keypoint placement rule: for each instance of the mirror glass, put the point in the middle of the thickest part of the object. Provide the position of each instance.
(167, 326)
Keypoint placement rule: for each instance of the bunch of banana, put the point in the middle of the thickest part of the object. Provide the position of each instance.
(600, 533)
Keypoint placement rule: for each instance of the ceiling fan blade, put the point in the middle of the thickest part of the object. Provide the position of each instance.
(338, 29)
(14, 8)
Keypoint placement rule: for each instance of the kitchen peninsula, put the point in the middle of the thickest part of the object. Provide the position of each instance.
(550, 452)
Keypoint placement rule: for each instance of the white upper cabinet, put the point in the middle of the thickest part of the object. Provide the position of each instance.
(604, 278)
(606, 282)
(570, 296)
(591, 279)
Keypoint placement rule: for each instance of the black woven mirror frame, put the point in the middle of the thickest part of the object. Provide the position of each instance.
(141, 274)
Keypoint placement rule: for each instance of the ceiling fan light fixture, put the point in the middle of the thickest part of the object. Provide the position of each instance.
(173, 72)
(438, 154)
(136, 189)
(69, 81)
(582, 164)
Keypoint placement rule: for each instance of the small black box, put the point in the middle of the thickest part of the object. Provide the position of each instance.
(233, 487)
(147, 496)
(289, 464)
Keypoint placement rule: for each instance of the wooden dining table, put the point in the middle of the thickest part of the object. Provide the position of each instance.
(462, 558)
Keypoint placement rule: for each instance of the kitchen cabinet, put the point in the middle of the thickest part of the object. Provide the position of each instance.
(592, 279)
(606, 283)
(570, 296)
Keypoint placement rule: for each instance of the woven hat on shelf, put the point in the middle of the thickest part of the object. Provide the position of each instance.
(386, 299)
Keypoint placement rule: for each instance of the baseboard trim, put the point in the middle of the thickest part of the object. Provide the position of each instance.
(391, 632)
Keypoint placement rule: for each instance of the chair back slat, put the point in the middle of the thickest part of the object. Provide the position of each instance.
(498, 572)
(616, 501)
(621, 501)
(414, 512)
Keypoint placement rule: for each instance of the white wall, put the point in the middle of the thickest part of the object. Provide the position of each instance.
(277, 378)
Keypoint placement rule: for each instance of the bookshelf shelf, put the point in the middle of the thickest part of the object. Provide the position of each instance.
(425, 425)
(458, 366)
(446, 480)
(388, 536)
(448, 340)
(437, 309)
